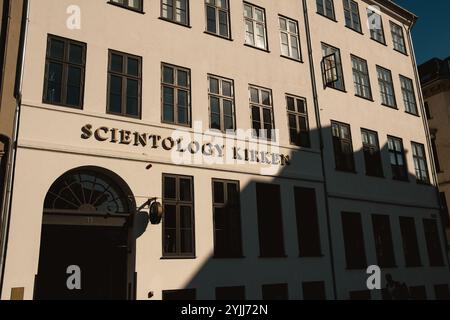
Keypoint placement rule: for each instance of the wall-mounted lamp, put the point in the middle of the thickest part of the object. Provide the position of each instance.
(155, 210)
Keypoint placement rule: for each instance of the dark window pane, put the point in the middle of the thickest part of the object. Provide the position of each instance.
(219, 192)
(76, 54)
(383, 241)
(211, 19)
(170, 188)
(265, 98)
(230, 293)
(168, 75)
(213, 85)
(223, 23)
(132, 97)
(254, 95)
(314, 291)
(182, 78)
(226, 88)
(54, 83)
(434, 247)
(185, 217)
(275, 292)
(181, 295)
(291, 103)
(270, 223)
(360, 295)
(57, 49)
(168, 113)
(73, 86)
(410, 243)
(133, 67)
(116, 63)
(307, 222)
(170, 216)
(354, 241)
(115, 94)
(185, 190)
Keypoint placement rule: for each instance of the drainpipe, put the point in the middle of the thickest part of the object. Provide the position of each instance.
(428, 136)
(322, 152)
(13, 146)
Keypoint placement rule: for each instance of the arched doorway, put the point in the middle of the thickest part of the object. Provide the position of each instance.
(87, 238)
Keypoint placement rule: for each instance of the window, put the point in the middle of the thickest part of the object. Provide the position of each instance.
(433, 240)
(420, 163)
(227, 219)
(261, 106)
(435, 151)
(398, 38)
(230, 293)
(289, 37)
(355, 251)
(218, 17)
(181, 295)
(124, 84)
(255, 26)
(326, 8)
(386, 87)
(397, 158)
(314, 291)
(409, 97)
(361, 78)
(362, 295)
(178, 222)
(442, 292)
(351, 13)
(221, 103)
(376, 26)
(332, 67)
(372, 153)
(308, 230)
(298, 121)
(444, 209)
(383, 241)
(343, 148)
(418, 293)
(427, 111)
(410, 243)
(175, 11)
(129, 4)
(270, 221)
(176, 92)
(64, 72)
(275, 292)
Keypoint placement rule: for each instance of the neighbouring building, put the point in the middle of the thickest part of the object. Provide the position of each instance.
(435, 80)
(11, 13)
(285, 140)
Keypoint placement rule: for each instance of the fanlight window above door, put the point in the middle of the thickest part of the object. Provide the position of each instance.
(87, 191)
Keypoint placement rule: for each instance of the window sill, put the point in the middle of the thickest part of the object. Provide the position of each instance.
(346, 171)
(176, 124)
(401, 180)
(365, 98)
(283, 256)
(217, 36)
(382, 43)
(239, 257)
(337, 89)
(390, 107)
(375, 176)
(292, 59)
(318, 256)
(403, 53)
(325, 16)
(63, 105)
(357, 31)
(260, 49)
(179, 258)
(175, 22)
(412, 114)
(123, 115)
(423, 183)
(125, 7)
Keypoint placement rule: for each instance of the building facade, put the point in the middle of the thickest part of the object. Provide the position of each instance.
(435, 80)
(167, 107)
(11, 13)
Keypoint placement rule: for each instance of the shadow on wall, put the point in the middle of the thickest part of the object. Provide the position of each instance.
(284, 241)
